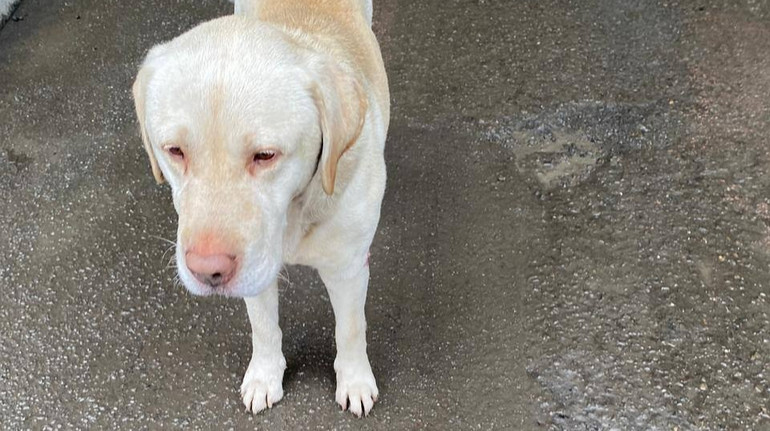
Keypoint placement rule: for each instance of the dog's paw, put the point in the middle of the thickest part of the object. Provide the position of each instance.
(356, 388)
(263, 384)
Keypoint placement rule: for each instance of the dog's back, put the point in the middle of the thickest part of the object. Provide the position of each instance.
(342, 27)
(243, 7)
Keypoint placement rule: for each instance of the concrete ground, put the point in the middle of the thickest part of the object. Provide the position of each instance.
(575, 236)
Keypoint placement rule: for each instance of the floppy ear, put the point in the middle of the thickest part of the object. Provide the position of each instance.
(341, 104)
(140, 89)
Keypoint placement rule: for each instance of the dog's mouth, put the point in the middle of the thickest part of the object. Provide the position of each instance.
(233, 289)
(244, 280)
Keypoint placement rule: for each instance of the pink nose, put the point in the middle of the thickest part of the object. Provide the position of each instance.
(211, 269)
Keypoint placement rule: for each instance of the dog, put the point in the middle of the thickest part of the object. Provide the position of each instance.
(269, 125)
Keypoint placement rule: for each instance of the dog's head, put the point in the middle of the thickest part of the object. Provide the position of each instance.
(233, 114)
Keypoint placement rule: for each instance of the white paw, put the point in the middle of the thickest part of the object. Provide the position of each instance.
(263, 383)
(356, 388)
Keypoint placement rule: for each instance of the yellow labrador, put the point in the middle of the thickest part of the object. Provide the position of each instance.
(270, 127)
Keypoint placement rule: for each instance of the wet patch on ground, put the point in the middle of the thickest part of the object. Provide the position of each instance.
(654, 243)
(561, 148)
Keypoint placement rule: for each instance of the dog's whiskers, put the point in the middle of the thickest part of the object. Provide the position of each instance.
(171, 263)
(164, 239)
(172, 246)
(177, 281)
(283, 275)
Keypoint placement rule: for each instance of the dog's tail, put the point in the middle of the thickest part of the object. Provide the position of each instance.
(245, 7)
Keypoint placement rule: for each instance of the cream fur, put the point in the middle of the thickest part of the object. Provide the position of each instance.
(281, 76)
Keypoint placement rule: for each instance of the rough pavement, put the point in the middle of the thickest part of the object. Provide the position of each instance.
(575, 236)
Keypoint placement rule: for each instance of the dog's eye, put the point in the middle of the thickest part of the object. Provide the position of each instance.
(176, 152)
(263, 156)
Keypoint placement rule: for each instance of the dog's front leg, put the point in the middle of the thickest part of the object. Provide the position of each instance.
(356, 386)
(263, 383)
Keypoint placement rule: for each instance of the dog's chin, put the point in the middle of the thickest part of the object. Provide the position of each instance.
(239, 287)
(245, 291)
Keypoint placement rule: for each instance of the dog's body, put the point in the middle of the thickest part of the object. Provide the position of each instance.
(270, 128)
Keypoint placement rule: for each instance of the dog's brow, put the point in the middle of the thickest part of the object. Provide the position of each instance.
(176, 136)
(250, 139)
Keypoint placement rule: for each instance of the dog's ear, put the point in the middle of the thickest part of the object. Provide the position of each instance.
(139, 90)
(341, 103)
